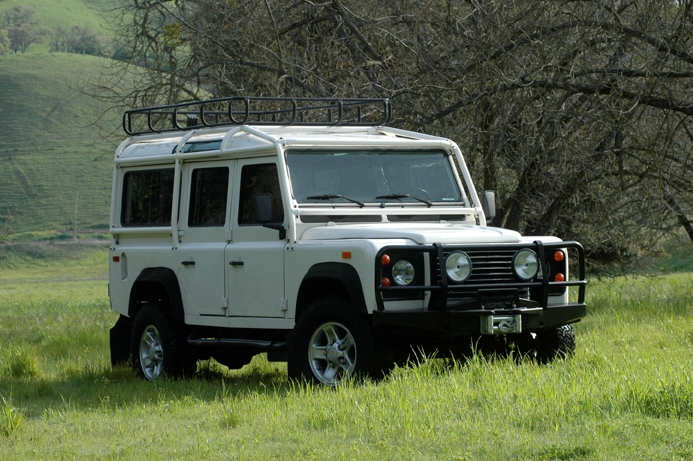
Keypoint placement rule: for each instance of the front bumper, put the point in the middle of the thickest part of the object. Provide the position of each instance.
(477, 321)
(492, 301)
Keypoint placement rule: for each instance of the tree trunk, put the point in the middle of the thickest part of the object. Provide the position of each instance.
(680, 215)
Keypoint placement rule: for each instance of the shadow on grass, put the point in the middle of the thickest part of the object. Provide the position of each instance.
(118, 387)
(99, 387)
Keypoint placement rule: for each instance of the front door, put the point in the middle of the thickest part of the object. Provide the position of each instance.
(255, 257)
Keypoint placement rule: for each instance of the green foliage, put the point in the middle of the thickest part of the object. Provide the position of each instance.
(10, 418)
(24, 365)
(172, 35)
(67, 13)
(76, 40)
(5, 45)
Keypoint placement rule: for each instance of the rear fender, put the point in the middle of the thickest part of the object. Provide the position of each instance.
(157, 285)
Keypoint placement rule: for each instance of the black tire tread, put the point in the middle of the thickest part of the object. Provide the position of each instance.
(327, 310)
(557, 343)
(179, 358)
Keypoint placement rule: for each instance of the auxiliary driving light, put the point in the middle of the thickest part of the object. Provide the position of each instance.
(526, 264)
(458, 266)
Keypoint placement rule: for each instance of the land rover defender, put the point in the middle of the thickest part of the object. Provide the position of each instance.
(309, 230)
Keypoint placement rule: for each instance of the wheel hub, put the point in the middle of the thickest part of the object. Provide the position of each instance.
(335, 353)
(332, 353)
(151, 353)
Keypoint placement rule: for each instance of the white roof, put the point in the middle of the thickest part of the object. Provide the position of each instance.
(237, 139)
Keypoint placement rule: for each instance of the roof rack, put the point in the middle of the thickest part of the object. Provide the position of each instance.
(240, 110)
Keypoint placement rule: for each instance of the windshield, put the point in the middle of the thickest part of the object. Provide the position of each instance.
(372, 176)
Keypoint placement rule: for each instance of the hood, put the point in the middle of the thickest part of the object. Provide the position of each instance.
(425, 233)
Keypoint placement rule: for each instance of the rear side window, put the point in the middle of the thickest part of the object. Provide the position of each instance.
(208, 195)
(147, 198)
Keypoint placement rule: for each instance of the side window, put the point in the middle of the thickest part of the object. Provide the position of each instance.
(259, 179)
(208, 194)
(147, 198)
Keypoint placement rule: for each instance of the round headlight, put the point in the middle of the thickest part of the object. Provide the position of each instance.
(526, 264)
(403, 272)
(458, 266)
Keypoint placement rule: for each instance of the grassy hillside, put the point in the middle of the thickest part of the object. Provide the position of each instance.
(50, 152)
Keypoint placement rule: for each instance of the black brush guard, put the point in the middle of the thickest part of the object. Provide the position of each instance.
(462, 309)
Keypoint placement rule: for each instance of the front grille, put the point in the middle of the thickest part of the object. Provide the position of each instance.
(489, 267)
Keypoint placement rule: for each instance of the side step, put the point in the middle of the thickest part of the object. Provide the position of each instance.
(260, 345)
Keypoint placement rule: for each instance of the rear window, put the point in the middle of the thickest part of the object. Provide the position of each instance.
(147, 198)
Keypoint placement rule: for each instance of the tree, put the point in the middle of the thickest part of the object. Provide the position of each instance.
(22, 27)
(21, 37)
(5, 45)
(78, 39)
(577, 113)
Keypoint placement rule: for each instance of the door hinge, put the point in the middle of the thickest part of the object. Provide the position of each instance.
(229, 235)
(224, 303)
(284, 304)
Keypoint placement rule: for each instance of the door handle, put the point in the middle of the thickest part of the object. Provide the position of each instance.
(236, 263)
(188, 263)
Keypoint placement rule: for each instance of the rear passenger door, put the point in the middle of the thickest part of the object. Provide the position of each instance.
(204, 231)
(255, 257)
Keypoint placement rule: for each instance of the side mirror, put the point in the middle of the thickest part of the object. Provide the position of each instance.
(263, 214)
(488, 204)
(263, 208)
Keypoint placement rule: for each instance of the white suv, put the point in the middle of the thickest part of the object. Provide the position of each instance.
(308, 230)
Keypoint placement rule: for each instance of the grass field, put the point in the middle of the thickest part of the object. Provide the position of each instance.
(626, 394)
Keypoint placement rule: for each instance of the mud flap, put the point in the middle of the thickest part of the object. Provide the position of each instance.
(120, 340)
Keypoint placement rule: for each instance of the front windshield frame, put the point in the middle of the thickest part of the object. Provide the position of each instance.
(385, 177)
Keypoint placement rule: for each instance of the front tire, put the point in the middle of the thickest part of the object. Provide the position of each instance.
(557, 343)
(331, 343)
(158, 346)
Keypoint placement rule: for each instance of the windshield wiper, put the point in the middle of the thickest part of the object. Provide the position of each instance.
(399, 196)
(331, 196)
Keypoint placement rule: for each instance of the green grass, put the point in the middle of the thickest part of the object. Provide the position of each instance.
(626, 394)
(678, 258)
(52, 155)
(53, 272)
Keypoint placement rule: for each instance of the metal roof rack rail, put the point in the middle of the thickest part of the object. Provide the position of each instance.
(240, 110)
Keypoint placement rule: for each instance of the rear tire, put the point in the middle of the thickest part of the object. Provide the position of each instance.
(558, 343)
(158, 346)
(330, 344)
